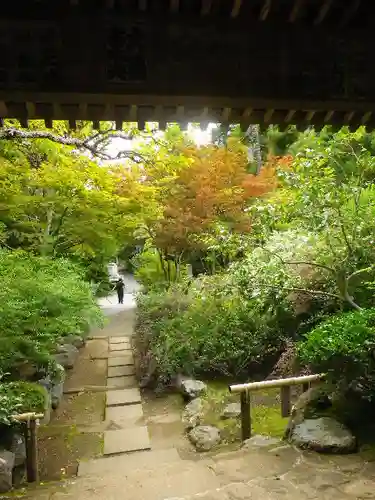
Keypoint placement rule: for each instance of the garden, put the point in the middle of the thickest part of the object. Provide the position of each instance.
(255, 253)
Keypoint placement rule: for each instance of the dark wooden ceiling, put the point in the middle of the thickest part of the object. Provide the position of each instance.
(307, 62)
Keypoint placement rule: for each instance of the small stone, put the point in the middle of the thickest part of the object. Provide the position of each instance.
(324, 435)
(66, 355)
(192, 389)
(7, 460)
(259, 441)
(76, 340)
(205, 437)
(232, 410)
(192, 414)
(18, 447)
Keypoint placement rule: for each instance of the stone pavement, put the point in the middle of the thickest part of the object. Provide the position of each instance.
(127, 432)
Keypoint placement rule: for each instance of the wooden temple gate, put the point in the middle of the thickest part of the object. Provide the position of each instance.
(307, 62)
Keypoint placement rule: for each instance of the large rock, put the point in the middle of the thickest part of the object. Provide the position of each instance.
(325, 435)
(192, 414)
(7, 460)
(232, 410)
(66, 355)
(307, 406)
(18, 447)
(57, 389)
(192, 389)
(74, 339)
(205, 437)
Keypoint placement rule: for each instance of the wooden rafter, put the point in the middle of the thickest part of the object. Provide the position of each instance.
(174, 6)
(350, 11)
(323, 11)
(265, 10)
(142, 5)
(236, 8)
(206, 7)
(296, 10)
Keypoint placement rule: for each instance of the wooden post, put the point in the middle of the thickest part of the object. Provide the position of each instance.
(305, 387)
(285, 400)
(32, 452)
(245, 415)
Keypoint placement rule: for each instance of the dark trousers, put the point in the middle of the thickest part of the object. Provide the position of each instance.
(120, 295)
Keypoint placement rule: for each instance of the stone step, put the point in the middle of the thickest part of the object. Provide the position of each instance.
(126, 440)
(123, 346)
(157, 480)
(119, 340)
(142, 460)
(120, 371)
(125, 397)
(113, 354)
(124, 416)
(126, 360)
(122, 382)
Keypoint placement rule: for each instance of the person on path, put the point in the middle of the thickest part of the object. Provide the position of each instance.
(120, 286)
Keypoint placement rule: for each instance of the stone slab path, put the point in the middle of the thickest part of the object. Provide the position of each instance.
(123, 410)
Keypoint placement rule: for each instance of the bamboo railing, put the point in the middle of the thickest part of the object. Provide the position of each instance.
(285, 395)
(30, 424)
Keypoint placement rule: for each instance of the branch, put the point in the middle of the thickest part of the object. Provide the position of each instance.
(312, 264)
(359, 271)
(94, 144)
(311, 292)
(300, 262)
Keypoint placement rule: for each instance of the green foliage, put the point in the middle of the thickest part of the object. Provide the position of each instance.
(209, 328)
(40, 300)
(20, 397)
(343, 346)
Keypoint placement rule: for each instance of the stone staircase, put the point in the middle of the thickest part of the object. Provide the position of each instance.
(123, 403)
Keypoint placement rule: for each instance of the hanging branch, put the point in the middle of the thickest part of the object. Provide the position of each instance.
(94, 144)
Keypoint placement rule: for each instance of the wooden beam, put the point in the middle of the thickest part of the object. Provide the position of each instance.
(268, 115)
(348, 116)
(206, 7)
(174, 6)
(236, 8)
(328, 116)
(96, 125)
(310, 115)
(290, 115)
(366, 117)
(142, 5)
(118, 124)
(3, 109)
(225, 115)
(296, 11)
(350, 12)
(30, 108)
(82, 110)
(72, 124)
(133, 113)
(323, 11)
(265, 10)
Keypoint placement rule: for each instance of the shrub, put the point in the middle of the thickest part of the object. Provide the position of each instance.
(209, 329)
(20, 397)
(343, 346)
(41, 300)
